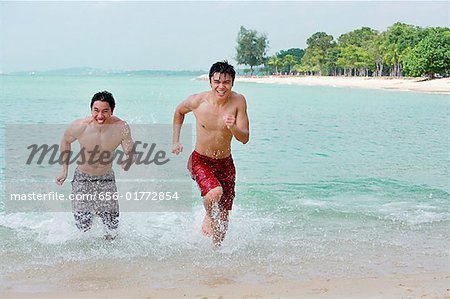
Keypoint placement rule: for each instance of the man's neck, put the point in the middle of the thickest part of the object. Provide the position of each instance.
(213, 100)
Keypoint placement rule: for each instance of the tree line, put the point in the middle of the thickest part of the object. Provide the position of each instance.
(401, 50)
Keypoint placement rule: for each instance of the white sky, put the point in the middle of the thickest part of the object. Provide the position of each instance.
(180, 35)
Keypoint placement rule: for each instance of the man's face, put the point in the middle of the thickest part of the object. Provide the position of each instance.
(101, 111)
(221, 85)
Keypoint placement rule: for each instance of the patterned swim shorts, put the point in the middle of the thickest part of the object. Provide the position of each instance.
(93, 196)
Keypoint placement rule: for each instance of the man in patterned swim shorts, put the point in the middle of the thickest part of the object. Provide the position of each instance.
(220, 114)
(93, 185)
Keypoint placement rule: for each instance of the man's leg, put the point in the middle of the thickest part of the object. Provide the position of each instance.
(82, 208)
(83, 220)
(223, 225)
(227, 178)
(111, 223)
(83, 212)
(201, 171)
(108, 211)
(211, 223)
(215, 223)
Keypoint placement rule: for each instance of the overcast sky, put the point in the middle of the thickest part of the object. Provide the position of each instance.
(180, 35)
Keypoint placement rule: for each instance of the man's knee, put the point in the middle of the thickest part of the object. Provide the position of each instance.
(110, 219)
(214, 195)
(83, 220)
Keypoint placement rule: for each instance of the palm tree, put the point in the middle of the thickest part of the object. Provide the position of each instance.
(289, 60)
(275, 62)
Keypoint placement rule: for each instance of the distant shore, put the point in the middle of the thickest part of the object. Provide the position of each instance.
(440, 86)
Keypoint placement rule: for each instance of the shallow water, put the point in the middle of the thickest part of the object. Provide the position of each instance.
(334, 182)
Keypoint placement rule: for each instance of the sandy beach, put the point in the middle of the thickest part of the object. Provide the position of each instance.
(428, 285)
(441, 86)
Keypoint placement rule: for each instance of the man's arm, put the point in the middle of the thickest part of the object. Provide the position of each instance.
(127, 146)
(178, 118)
(239, 125)
(65, 149)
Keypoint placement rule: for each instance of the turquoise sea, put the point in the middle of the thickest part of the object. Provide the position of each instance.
(335, 182)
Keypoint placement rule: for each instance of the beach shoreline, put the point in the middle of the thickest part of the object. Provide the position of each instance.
(436, 86)
(434, 285)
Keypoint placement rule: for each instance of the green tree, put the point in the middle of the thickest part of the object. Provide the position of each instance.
(348, 58)
(275, 62)
(357, 45)
(398, 38)
(377, 52)
(251, 48)
(431, 55)
(331, 58)
(316, 52)
(289, 60)
(310, 63)
(296, 52)
(359, 37)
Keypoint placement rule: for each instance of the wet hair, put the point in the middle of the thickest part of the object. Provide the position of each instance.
(222, 67)
(104, 96)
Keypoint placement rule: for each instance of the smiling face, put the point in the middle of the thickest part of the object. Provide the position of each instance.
(221, 85)
(101, 112)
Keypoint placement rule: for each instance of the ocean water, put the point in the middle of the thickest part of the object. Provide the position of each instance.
(335, 182)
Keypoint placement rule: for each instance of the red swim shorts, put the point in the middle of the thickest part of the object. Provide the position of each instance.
(210, 173)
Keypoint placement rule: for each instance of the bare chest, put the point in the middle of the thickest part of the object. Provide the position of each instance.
(210, 117)
(105, 138)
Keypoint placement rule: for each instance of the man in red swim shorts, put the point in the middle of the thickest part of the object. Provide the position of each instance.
(220, 114)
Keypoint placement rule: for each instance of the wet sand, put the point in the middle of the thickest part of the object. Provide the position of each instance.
(425, 285)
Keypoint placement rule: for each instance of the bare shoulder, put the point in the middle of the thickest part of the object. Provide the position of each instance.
(76, 128)
(193, 101)
(238, 99)
(121, 125)
(114, 120)
(79, 124)
(82, 121)
(119, 122)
